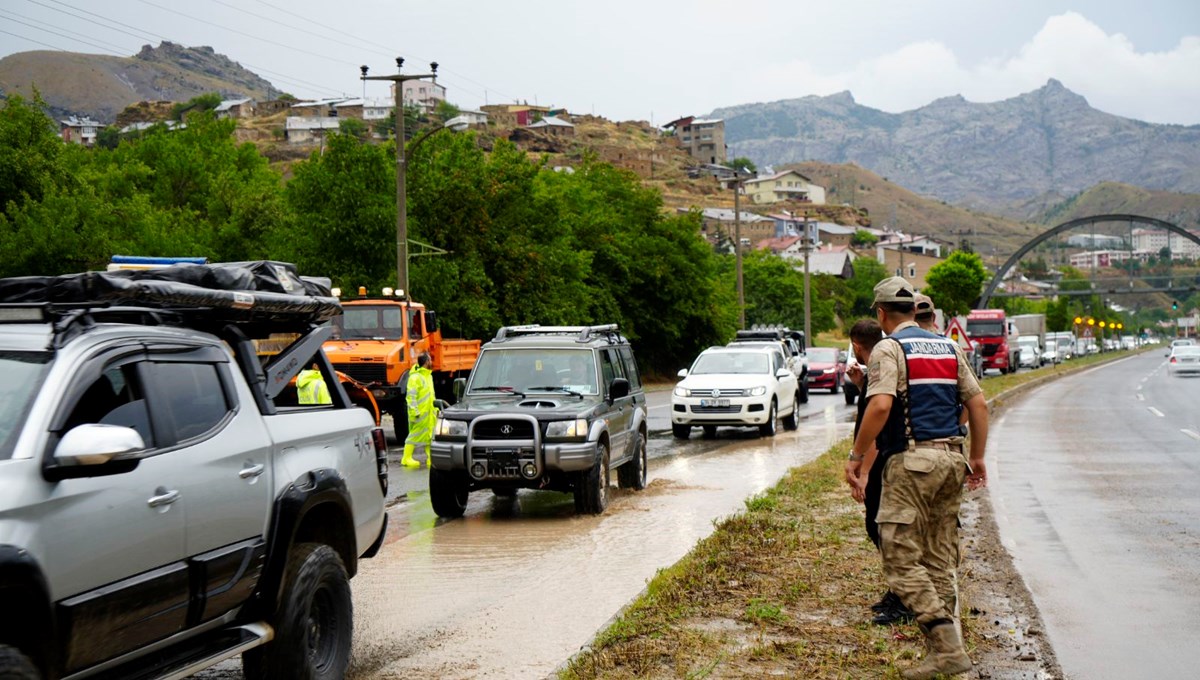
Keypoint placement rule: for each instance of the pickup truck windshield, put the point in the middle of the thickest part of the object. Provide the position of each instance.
(23, 374)
(370, 322)
(535, 370)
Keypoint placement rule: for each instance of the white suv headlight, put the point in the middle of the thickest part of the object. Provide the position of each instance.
(450, 428)
(567, 428)
(681, 392)
(758, 391)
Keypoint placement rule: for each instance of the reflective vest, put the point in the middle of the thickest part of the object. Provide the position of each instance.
(311, 389)
(421, 414)
(931, 407)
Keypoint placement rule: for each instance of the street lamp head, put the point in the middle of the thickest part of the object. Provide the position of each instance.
(399, 63)
(433, 67)
(364, 70)
(457, 124)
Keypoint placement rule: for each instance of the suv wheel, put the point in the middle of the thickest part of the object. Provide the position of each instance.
(681, 431)
(804, 390)
(767, 429)
(314, 623)
(792, 420)
(16, 666)
(710, 431)
(632, 475)
(448, 493)
(591, 487)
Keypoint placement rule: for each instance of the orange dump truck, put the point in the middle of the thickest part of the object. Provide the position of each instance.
(376, 340)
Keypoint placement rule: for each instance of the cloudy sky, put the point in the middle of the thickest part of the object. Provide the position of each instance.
(648, 59)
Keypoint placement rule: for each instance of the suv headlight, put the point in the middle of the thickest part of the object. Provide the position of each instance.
(565, 429)
(681, 391)
(758, 391)
(450, 428)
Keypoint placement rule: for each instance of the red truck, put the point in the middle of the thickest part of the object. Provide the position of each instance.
(994, 339)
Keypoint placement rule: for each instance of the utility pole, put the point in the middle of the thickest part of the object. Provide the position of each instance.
(398, 81)
(808, 246)
(737, 247)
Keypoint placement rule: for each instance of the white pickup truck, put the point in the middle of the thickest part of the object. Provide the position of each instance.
(165, 500)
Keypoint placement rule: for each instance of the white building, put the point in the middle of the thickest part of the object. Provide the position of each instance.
(424, 94)
(788, 185)
(366, 109)
(1154, 240)
(303, 129)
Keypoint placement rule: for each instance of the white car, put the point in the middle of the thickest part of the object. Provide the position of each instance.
(1030, 352)
(1184, 359)
(1180, 342)
(736, 386)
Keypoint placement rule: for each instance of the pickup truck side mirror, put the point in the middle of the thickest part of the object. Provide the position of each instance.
(618, 389)
(92, 450)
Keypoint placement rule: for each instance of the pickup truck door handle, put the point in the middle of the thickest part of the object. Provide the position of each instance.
(251, 471)
(163, 497)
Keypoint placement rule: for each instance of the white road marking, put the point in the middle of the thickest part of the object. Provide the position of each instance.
(1190, 433)
(1141, 397)
(1156, 412)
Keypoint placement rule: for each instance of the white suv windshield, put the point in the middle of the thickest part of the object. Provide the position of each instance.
(23, 373)
(535, 370)
(732, 362)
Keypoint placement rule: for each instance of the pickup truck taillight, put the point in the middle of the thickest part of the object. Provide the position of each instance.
(381, 463)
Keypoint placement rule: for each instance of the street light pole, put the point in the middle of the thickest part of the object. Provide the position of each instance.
(398, 81)
(737, 248)
(808, 245)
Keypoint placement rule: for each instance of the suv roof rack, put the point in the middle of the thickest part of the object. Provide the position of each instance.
(584, 333)
(759, 334)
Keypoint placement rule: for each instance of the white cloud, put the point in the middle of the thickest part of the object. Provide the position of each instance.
(1161, 87)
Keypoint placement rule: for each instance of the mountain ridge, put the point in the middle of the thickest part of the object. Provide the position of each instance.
(995, 156)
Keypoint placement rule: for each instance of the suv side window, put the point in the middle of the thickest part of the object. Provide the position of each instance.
(608, 368)
(777, 362)
(191, 395)
(631, 369)
(115, 398)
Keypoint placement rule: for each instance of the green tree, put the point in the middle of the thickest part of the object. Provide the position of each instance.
(862, 237)
(354, 127)
(444, 111)
(29, 152)
(742, 163)
(956, 282)
(197, 104)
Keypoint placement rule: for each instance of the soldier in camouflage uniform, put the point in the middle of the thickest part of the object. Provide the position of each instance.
(916, 386)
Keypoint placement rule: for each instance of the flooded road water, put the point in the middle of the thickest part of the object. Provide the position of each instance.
(517, 586)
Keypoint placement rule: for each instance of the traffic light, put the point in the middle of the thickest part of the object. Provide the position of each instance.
(1174, 306)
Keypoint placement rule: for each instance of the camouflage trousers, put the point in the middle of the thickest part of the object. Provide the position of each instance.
(918, 528)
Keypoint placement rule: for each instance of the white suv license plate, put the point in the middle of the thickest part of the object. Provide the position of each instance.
(714, 402)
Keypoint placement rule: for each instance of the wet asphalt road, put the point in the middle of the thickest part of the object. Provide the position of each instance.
(1094, 481)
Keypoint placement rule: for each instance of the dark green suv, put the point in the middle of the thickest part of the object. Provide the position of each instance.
(547, 407)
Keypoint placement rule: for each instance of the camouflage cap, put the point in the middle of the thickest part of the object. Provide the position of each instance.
(894, 289)
(924, 304)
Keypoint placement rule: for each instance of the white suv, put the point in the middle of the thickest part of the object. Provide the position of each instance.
(737, 386)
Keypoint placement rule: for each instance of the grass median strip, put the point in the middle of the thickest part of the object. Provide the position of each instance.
(782, 588)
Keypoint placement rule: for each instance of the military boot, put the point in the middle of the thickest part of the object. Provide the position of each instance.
(946, 654)
(407, 461)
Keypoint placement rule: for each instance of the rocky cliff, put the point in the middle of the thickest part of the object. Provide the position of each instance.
(998, 156)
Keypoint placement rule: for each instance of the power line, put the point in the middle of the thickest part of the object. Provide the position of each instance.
(36, 42)
(100, 17)
(80, 35)
(61, 35)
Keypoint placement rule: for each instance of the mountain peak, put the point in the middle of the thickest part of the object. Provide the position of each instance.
(843, 97)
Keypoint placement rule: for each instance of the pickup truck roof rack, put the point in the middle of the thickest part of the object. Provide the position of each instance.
(584, 333)
(259, 297)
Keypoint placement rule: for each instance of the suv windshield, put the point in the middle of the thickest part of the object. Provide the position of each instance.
(732, 362)
(370, 322)
(535, 370)
(24, 372)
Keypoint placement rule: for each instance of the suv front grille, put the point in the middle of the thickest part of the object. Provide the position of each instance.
(725, 392)
(736, 408)
(504, 429)
(364, 373)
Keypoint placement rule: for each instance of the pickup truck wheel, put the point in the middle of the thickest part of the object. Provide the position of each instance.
(792, 420)
(16, 666)
(632, 475)
(591, 487)
(314, 624)
(681, 431)
(448, 493)
(768, 428)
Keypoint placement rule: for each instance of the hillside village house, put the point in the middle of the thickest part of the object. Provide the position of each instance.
(235, 108)
(367, 110)
(142, 126)
(304, 130)
(519, 115)
(80, 130)
(836, 261)
(716, 223)
(910, 265)
(471, 117)
(788, 185)
(704, 139)
(320, 108)
(424, 94)
(555, 126)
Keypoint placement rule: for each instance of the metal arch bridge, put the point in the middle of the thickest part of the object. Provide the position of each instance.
(1012, 261)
